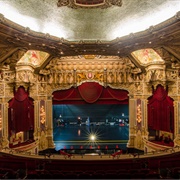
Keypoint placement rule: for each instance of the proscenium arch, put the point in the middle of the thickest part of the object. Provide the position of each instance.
(95, 93)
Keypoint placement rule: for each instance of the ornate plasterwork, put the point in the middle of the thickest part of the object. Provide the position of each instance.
(147, 56)
(33, 58)
(89, 4)
(115, 72)
(108, 71)
(97, 63)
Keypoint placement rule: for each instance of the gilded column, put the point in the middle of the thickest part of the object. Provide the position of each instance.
(144, 118)
(49, 123)
(176, 123)
(4, 124)
(36, 120)
(132, 121)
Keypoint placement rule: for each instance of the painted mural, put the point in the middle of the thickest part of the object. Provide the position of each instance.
(146, 56)
(35, 58)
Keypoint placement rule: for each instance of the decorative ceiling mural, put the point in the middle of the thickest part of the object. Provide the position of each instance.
(146, 56)
(35, 58)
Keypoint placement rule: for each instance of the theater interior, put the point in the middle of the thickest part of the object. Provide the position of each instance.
(89, 89)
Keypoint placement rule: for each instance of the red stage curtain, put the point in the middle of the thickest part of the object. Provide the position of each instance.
(90, 92)
(63, 95)
(117, 94)
(161, 111)
(21, 112)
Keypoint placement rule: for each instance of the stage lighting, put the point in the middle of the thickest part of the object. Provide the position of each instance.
(92, 137)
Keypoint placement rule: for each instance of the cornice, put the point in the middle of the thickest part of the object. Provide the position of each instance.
(24, 37)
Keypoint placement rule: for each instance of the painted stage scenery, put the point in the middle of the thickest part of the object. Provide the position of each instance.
(91, 126)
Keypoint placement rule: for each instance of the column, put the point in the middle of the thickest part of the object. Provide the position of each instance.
(144, 118)
(36, 120)
(49, 123)
(132, 121)
(4, 123)
(176, 123)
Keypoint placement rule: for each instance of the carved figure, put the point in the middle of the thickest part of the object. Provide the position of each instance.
(43, 141)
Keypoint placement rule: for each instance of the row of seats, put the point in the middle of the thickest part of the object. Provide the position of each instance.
(110, 174)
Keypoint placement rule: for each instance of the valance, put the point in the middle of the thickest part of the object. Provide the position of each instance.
(90, 92)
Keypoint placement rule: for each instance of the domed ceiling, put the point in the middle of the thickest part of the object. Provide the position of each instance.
(78, 23)
(63, 28)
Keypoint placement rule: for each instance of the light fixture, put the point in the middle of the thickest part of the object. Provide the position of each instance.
(92, 137)
(42, 115)
(139, 117)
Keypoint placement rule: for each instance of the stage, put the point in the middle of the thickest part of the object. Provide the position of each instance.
(78, 136)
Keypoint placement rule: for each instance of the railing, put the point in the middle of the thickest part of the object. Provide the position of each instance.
(154, 147)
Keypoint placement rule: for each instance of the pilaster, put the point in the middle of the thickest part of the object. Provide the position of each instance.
(49, 123)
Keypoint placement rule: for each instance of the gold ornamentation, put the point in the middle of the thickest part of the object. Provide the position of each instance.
(139, 117)
(42, 115)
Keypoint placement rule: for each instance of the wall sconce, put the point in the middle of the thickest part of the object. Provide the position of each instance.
(139, 117)
(42, 115)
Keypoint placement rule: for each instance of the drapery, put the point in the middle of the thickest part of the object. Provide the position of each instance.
(161, 111)
(90, 92)
(20, 112)
(64, 94)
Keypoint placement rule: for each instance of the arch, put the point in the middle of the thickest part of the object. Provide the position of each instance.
(98, 109)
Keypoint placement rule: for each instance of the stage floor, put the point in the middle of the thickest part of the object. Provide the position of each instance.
(78, 136)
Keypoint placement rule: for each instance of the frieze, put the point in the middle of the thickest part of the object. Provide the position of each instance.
(63, 75)
(25, 76)
(98, 63)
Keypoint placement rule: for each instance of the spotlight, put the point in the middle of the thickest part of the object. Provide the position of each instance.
(92, 137)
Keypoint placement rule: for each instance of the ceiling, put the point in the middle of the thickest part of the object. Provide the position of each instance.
(92, 23)
(111, 31)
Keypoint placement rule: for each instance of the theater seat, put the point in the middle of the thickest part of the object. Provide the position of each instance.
(124, 176)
